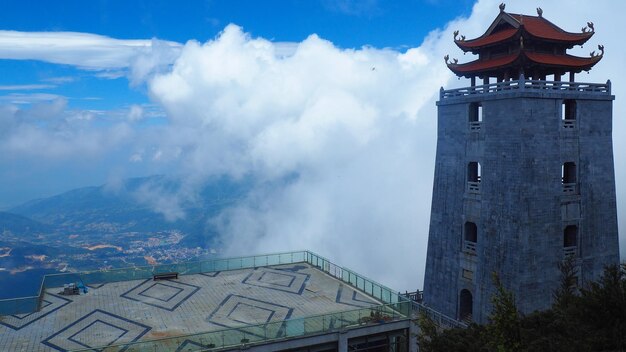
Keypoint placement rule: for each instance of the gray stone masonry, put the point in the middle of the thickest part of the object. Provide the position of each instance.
(521, 209)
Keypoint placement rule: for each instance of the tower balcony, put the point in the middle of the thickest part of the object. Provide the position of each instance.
(473, 187)
(469, 247)
(569, 124)
(570, 188)
(569, 251)
(523, 85)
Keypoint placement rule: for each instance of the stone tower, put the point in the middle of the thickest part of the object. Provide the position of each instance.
(524, 170)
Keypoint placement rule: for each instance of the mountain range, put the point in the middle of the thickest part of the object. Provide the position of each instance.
(111, 226)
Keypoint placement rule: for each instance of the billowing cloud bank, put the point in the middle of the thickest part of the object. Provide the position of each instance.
(341, 140)
(342, 125)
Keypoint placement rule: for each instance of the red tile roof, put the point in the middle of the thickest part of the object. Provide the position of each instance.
(482, 65)
(574, 62)
(563, 60)
(537, 27)
(542, 28)
(486, 40)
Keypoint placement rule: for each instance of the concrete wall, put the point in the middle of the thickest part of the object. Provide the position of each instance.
(521, 210)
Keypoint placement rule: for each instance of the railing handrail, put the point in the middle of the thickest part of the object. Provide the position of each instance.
(32, 302)
(440, 319)
(392, 307)
(523, 84)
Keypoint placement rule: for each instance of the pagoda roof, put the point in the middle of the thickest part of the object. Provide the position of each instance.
(517, 25)
(525, 59)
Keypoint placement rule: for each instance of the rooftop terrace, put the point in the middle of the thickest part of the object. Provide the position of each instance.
(215, 304)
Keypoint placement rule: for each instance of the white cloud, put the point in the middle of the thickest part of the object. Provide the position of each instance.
(28, 98)
(27, 86)
(135, 113)
(89, 51)
(47, 130)
(353, 135)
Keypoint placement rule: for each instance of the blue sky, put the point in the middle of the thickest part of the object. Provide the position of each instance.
(340, 93)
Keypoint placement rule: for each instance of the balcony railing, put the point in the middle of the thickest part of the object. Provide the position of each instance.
(262, 333)
(474, 126)
(469, 246)
(569, 124)
(570, 188)
(473, 187)
(569, 251)
(528, 85)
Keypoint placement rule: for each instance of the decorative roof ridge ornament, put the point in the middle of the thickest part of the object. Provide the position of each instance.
(589, 28)
(502, 6)
(456, 33)
(593, 53)
(539, 12)
(454, 61)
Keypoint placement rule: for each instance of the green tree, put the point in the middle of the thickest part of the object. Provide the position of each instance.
(504, 327)
(601, 310)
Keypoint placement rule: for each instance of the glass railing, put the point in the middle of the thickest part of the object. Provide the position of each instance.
(25, 305)
(364, 284)
(262, 333)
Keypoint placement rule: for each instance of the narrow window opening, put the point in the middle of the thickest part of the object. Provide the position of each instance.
(568, 110)
(570, 235)
(568, 114)
(570, 240)
(470, 237)
(471, 232)
(473, 176)
(568, 177)
(473, 171)
(465, 305)
(568, 172)
(475, 116)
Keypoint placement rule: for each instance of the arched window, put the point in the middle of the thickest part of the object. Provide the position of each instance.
(465, 305)
(473, 177)
(568, 177)
(568, 172)
(471, 232)
(473, 172)
(470, 237)
(570, 236)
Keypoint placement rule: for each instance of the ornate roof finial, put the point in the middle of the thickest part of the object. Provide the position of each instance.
(456, 33)
(601, 48)
(445, 58)
(502, 6)
(590, 25)
(539, 12)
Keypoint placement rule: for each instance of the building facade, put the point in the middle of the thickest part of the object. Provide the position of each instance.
(524, 175)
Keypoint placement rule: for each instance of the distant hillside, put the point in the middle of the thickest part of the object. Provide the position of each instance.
(93, 210)
(21, 225)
